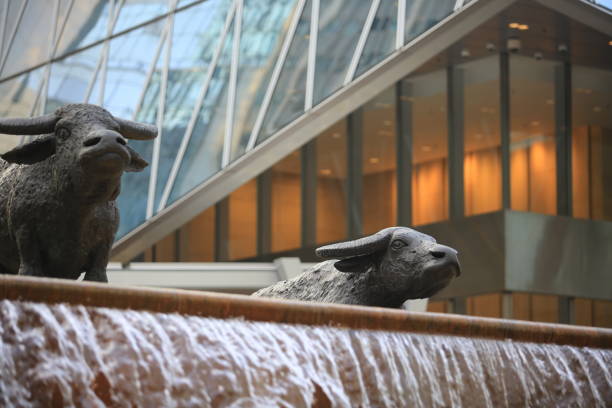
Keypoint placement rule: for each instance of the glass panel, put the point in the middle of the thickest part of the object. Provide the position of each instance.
(286, 203)
(379, 163)
(70, 78)
(203, 155)
(331, 187)
(134, 12)
(197, 238)
(129, 60)
(481, 132)
(31, 44)
(532, 135)
(340, 24)
(243, 222)
(17, 97)
(87, 23)
(264, 27)
(381, 41)
(288, 98)
(592, 143)
(427, 100)
(423, 14)
(196, 29)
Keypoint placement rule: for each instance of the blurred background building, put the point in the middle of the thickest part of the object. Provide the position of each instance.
(288, 124)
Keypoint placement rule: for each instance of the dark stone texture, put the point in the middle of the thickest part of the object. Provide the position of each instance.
(384, 269)
(58, 216)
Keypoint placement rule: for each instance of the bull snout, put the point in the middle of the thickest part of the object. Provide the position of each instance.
(447, 255)
(104, 138)
(105, 149)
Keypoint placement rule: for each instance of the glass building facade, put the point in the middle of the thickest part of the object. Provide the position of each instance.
(514, 115)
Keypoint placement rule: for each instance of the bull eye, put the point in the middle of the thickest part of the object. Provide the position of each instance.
(397, 244)
(63, 133)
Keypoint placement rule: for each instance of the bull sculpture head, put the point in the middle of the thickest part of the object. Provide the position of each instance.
(402, 261)
(84, 134)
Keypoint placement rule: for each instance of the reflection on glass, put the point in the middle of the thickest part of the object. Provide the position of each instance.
(264, 27)
(532, 135)
(421, 15)
(134, 12)
(203, 155)
(592, 143)
(31, 44)
(288, 98)
(195, 37)
(381, 40)
(243, 222)
(331, 148)
(482, 140)
(286, 203)
(87, 23)
(17, 98)
(426, 99)
(130, 56)
(70, 78)
(379, 163)
(340, 24)
(197, 238)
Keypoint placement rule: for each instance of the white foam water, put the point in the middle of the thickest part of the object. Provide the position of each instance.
(75, 356)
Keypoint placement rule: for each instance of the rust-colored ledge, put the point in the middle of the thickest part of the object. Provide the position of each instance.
(217, 305)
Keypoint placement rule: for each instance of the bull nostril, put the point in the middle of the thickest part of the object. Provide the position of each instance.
(121, 141)
(92, 141)
(437, 254)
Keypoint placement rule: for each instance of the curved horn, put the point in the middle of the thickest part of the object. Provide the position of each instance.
(135, 130)
(361, 246)
(29, 126)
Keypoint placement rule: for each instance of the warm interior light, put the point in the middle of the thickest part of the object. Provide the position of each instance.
(426, 148)
(514, 25)
(325, 172)
(336, 135)
(523, 27)
(550, 102)
(535, 123)
(387, 122)
(374, 160)
(597, 109)
(610, 43)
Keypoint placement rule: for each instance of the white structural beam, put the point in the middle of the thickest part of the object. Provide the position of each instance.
(312, 55)
(363, 38)
(381, 76)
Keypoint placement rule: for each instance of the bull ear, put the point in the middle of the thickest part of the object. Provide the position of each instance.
(356, 264)
(33, 152)
(137, 163)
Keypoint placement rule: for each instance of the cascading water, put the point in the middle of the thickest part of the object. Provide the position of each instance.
(63, 355)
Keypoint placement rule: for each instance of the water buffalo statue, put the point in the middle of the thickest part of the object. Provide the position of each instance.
(384, 269)
(58, 216)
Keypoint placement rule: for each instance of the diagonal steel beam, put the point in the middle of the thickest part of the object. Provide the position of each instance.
(363, 38)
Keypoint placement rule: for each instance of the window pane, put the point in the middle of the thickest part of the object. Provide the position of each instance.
(31, 44)
(87, 23)
(379, 163)
(195, 37)
(264, 27)
(134, 12)
(243, 222)
(286, 203)
(381, 41)
(340, 24)
(287, 101)
(532, 135)
(592, 143)
(331, 189)
(203, 155)
(422, 15)
(482, 140)
(427, 100)
(197, 238)
(70, 78)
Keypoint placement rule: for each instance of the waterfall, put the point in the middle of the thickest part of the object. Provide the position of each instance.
(62, 355)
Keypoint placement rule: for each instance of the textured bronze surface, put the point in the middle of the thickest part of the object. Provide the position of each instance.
(280, 311)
